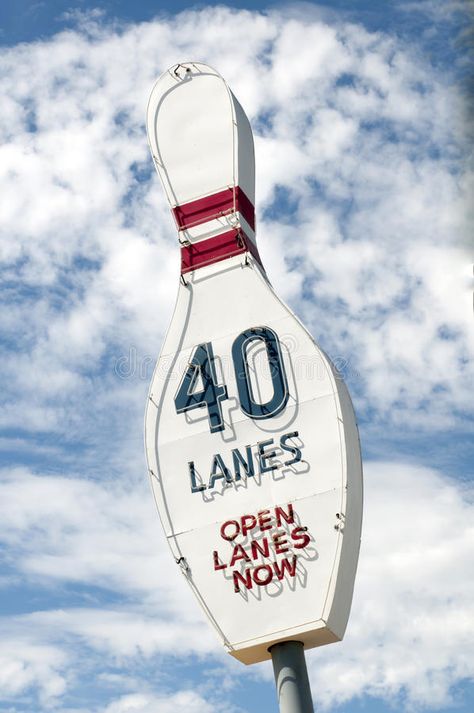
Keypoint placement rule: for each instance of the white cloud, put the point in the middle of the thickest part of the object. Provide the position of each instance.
(126, 632)
(103, 534)
(25, 666)
(138, 703)
(411, 630)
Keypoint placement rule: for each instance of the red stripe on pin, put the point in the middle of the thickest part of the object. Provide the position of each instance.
(207, 252)
(230, 200)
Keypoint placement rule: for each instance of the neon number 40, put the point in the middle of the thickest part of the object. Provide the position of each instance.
(211, 395)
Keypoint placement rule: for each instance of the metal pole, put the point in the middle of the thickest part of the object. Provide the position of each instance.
(291, 677)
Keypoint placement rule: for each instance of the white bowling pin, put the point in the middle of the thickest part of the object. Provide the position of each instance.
(251, 439)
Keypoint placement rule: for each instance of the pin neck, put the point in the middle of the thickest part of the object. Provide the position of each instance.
(214, 207)
(216, 227)
(220, 247)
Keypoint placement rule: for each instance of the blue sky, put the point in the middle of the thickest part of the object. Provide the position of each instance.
(363, 176)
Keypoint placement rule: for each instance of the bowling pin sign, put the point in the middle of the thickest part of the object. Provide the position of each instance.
(251, 439)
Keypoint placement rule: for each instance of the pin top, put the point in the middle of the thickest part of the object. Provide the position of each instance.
(202, 147)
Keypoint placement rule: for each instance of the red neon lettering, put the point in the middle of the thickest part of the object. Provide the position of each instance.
(256, 548)
(265, 520)
(217, 564)
(246, 527)
(245, 579)
(232, 523)
(267, 578)
(280, 543)
(285, 565)
(282, 515)
(239, 554)
(299, 533)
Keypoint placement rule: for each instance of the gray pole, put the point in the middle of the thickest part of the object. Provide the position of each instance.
(291, 677)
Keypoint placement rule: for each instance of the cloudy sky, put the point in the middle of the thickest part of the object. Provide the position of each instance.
(360, 112)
